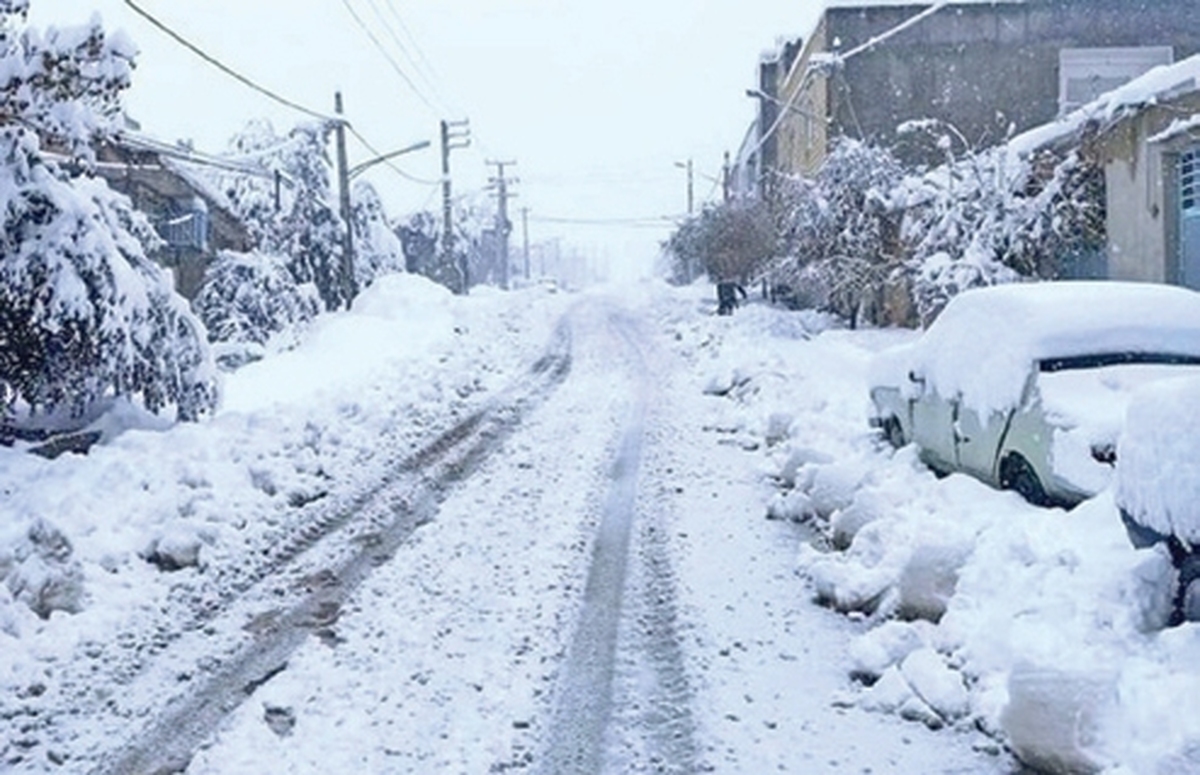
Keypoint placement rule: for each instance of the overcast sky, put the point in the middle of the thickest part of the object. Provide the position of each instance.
(595, 100)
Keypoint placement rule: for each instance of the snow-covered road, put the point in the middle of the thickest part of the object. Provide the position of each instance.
(603, 596)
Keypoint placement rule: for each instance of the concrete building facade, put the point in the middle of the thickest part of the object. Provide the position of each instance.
(988, 70)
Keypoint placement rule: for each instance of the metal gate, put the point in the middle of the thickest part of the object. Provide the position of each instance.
(1189, 219)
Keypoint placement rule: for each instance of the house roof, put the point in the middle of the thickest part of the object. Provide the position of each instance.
(1154, 87)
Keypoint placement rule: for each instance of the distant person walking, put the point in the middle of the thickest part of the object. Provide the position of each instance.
(727, 296)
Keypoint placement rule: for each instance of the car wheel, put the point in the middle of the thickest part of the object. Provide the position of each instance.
(1016, 474)
(893, 433)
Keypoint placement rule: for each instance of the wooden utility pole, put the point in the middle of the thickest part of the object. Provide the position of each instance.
(453, 131)
(691, 202)
(504, 227)
(726, 180)
(525, 235)
(343, 171)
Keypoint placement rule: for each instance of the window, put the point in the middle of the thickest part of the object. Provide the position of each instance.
(1189, 182)
(1086, 73)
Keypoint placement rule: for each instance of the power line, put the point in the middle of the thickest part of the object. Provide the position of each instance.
(428, 67)
(648, 222)
(223, 67)
(388, 163)
(391, 60)
(404, 51)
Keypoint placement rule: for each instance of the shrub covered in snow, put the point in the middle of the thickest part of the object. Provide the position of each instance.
(247, 298)
(84, 314)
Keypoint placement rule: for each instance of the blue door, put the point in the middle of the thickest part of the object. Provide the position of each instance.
(1189, 219)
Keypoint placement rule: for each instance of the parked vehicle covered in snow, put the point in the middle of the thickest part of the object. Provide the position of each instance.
(1158, 481)
(1025, 386)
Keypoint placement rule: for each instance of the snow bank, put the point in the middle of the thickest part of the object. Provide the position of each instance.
(1158, 459)
(1043, 627)
(110, 537)
(987, 340)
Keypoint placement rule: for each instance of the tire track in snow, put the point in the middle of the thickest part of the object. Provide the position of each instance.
(623, 684)
(369, 534)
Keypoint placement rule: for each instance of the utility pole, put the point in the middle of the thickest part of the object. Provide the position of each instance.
(691, 187)
(347, 268)
(525, 234)
(726, 180)
(500, 185)
(455, 135)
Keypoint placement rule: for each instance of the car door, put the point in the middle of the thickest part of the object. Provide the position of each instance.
(933, 425)
(977, 440)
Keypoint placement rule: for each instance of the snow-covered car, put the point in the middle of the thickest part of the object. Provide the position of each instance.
(1025, 386)
(1158, 480)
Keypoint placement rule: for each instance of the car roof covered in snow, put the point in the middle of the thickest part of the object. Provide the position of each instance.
(987, 340)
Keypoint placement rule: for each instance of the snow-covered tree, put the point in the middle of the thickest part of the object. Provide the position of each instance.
(306, 228)
(248, 298)
(839, 230)
(728, 242)
(377, 249)
(85, 316)
(997, 216)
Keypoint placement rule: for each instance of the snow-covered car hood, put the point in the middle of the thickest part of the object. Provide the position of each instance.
(988, 340)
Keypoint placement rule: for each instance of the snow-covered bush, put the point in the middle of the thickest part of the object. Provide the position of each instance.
(840, 230)
(85, 316)
(377, 249)
(995, 216)
(726, 242)
(247, 298)
(306, 228)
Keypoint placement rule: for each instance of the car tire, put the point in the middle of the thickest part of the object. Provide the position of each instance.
(1017, 475)
(892, 432)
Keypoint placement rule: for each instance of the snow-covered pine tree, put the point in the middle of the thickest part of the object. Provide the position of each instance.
(377, 249)
(307, 228)
(246, 299)
(85, 316)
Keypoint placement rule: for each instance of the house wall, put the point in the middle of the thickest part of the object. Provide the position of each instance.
(803, 141)
(1142, 196)
(988, 69)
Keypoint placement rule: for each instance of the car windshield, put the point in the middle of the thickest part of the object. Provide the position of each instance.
(1099, 360)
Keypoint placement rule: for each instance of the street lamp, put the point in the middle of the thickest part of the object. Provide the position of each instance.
(761, 95)
(359, 169)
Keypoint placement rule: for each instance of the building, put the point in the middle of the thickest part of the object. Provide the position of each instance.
(193, 220)
(985, 70)
(1151, 156)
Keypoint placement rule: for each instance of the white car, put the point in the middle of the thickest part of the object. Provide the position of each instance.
(1025, 386)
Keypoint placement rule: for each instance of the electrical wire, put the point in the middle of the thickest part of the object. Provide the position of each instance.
(223, 67)
(388, 163)
(386, 55)
(408, 56)
(430, 70)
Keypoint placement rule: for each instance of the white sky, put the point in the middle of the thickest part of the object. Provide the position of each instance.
(595, 100)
